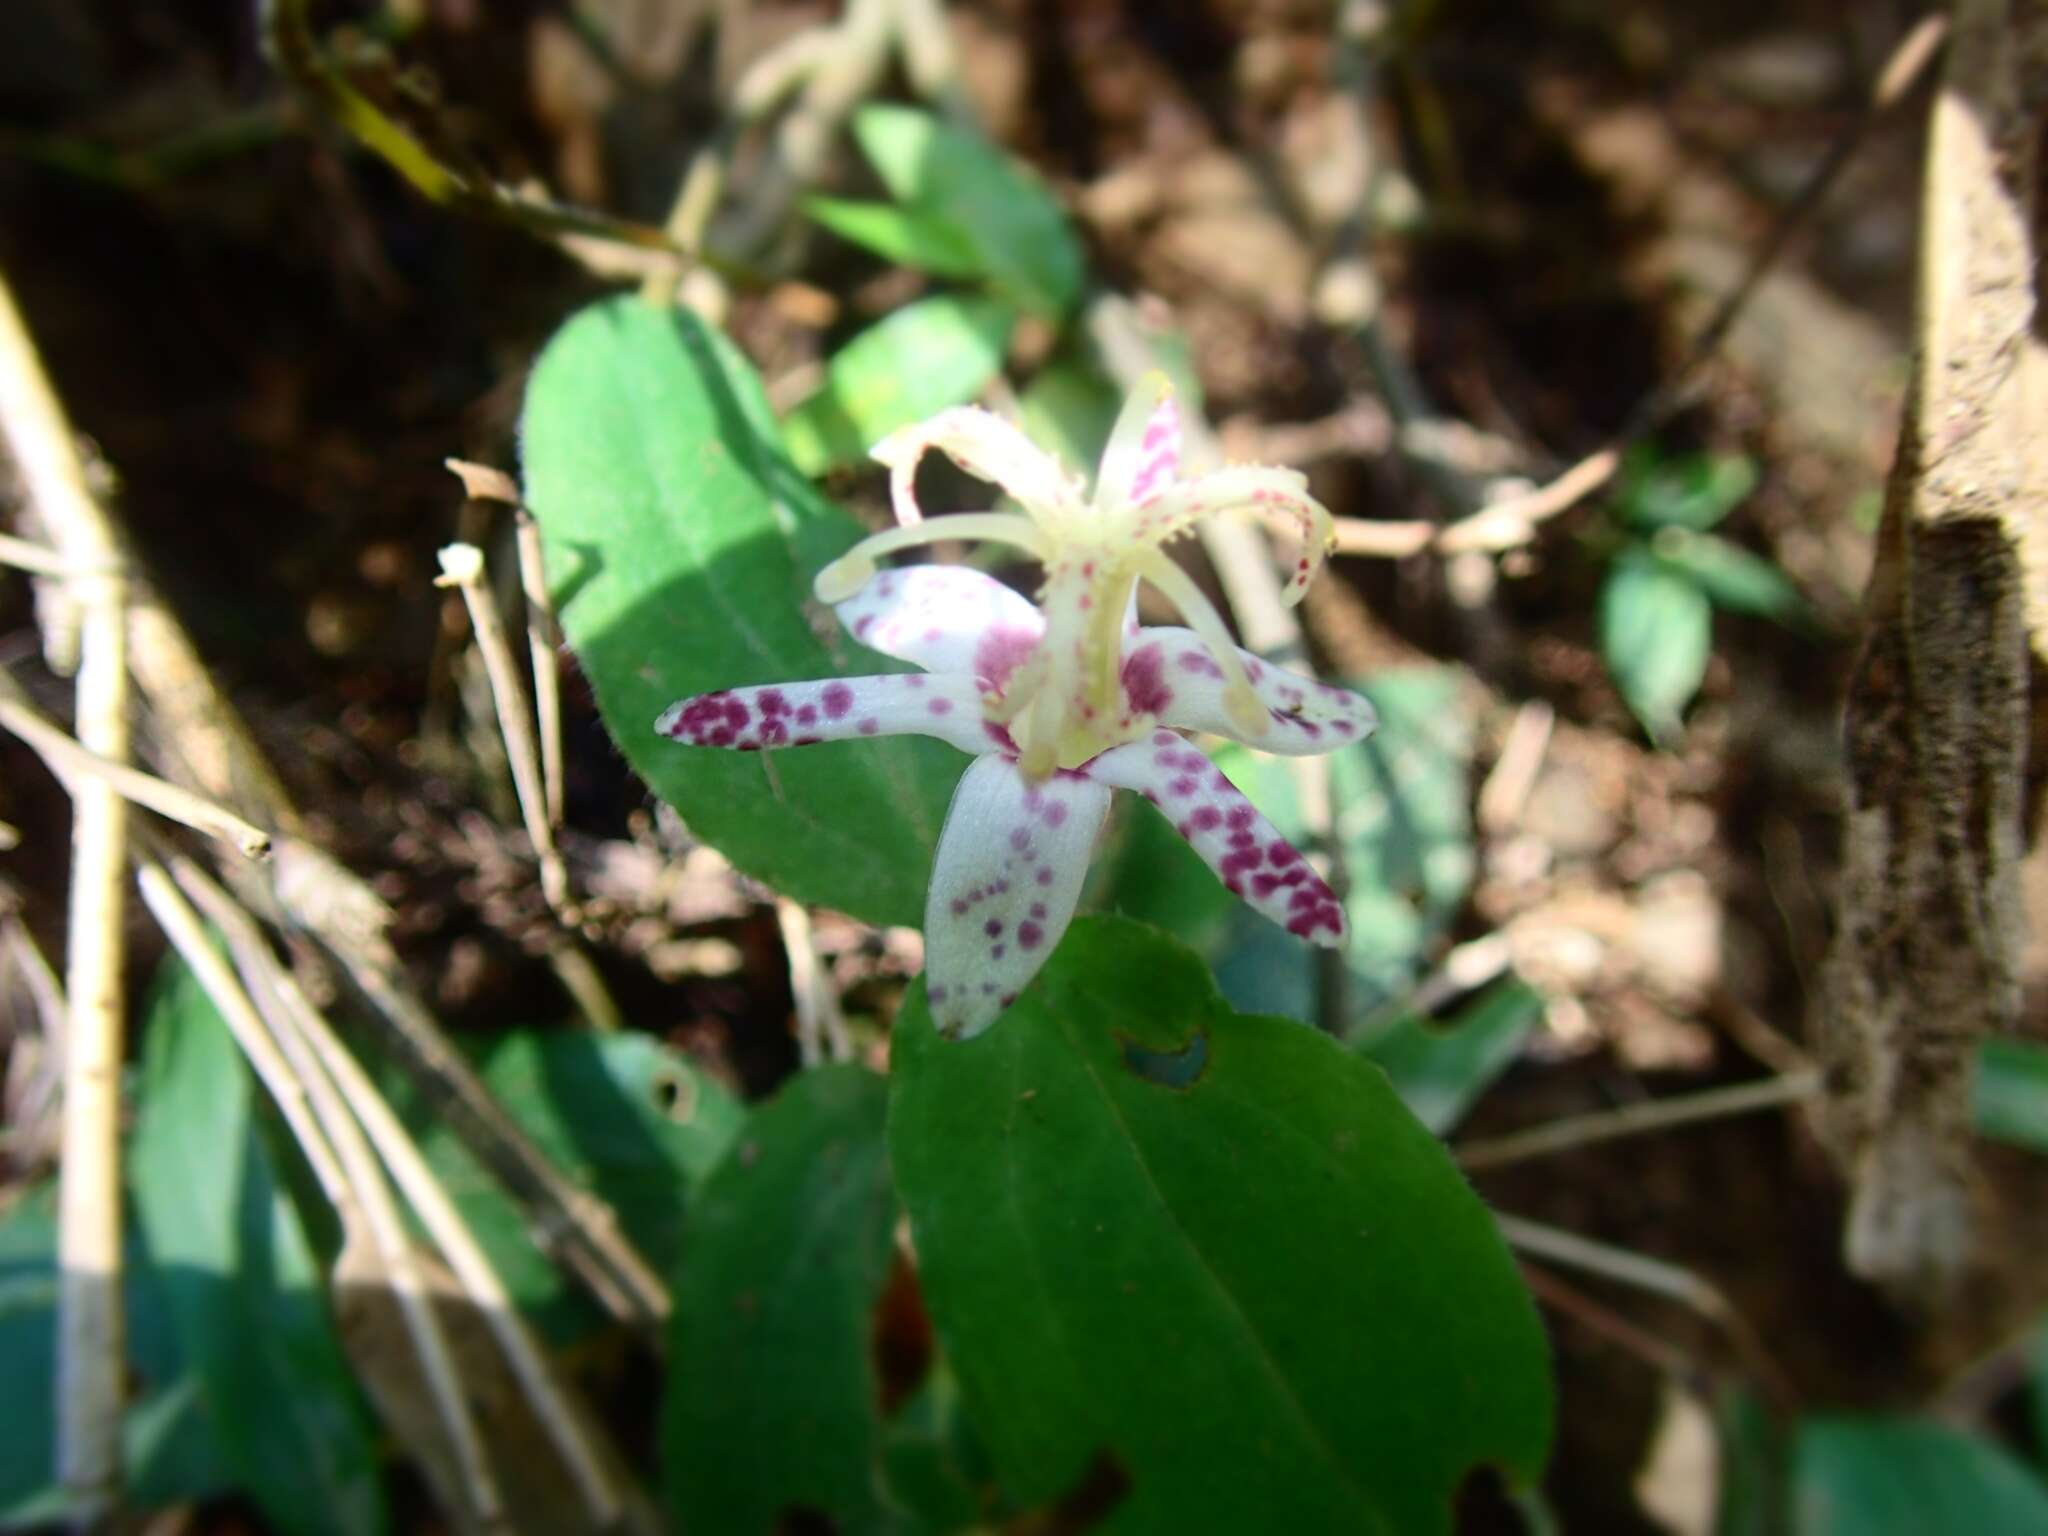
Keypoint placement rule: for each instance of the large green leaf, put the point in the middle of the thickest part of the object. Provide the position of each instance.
(623, 1115)
(1656, 633)
(240, 1280)
(936, 353)
(1899, 1477)
(169, 1453)
(772, 1406)
(681, 546)
(999, 206)
(1205, 1264)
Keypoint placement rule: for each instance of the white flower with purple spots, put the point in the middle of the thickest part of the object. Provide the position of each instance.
(1061, 701)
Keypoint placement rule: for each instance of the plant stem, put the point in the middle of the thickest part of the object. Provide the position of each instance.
(91, 1349)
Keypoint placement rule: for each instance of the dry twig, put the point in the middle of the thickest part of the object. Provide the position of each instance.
(72, 763)
(462, 566)
(91, 1347)
(1572, 1131)
(1503, 523)
(351, 1107)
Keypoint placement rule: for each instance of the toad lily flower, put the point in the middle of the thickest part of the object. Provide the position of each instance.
(1063, 700)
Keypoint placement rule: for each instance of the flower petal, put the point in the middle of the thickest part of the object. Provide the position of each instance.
(1253, 860)
(1008, 872)
(1143, 456)
(946, 705)
(1284, 492)
(946, 618)
(1169, 673)
(987, 447)
(856, 568)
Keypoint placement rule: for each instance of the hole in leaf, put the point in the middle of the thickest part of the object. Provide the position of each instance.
(674, 1094)
(1169, 1069)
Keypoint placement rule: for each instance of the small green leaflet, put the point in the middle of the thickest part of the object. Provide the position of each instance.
(936, 353)
(997, 206)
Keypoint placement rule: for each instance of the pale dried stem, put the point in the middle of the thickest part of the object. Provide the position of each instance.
(543, 642)
(481, 482)
(565, 1423)
(257, 998)
(1656, 1276)
(182, 926)
(91, 1348)
(570, 1224)
(72, 763)
(32, 1087)
(1506, 791)
(1637, 1120)
(1577, 1305)
(37, 559)
(1510, 522)
(205, 742)
(820, 1027)
(463, 567)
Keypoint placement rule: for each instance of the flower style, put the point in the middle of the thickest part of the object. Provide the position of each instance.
(1063, 700)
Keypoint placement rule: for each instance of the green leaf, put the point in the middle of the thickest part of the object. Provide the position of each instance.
(2037, 1392)
(772, 1405)
(936, 353)
(1899, 1477)
(921, 241)
(1000, 206)
(240, 1279)
(625, 1116)
(169, 1453)
(1204, 1264)
(936, 1466)
(1656, 633)
(1752, 1465)
(2009, 1094)
(1693, 491)
(681, 546)
(1404, 820)
(1071, 406)
(1730, 575)
(1441, 1069)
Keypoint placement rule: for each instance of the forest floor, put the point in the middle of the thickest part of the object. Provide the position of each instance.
(272, 345)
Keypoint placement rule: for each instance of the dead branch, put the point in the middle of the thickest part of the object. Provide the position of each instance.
(91, 1346)
(1929, 919)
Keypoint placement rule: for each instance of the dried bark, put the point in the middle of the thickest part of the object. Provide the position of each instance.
(1940, 715)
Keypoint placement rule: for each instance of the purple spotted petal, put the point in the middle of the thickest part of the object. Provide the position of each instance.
(1143, 454)
(1008, 872)
(1170, 674)
(946, 705)
(945, 618)
(1247, 852)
